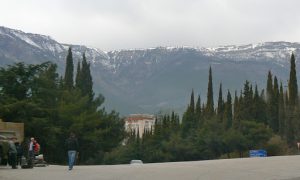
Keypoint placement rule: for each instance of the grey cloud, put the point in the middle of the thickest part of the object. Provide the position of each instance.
(120, 24)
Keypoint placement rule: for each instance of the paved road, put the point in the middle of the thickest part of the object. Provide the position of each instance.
(282, 167)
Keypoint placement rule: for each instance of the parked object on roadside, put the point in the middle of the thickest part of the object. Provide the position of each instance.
(39, 161)
(26, 164)
(136, 161)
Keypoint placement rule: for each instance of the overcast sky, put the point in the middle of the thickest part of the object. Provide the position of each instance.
(124, 24)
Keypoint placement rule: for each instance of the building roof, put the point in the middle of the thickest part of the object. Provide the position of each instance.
(138, 117)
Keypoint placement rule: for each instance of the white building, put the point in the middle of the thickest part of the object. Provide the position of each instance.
(139, 123)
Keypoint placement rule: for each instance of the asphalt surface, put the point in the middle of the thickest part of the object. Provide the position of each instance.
(280, 167)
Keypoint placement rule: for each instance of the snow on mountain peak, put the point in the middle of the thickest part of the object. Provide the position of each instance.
(25, 38)
(112, 60)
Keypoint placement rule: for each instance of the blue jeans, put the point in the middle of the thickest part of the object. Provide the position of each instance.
(71, 155)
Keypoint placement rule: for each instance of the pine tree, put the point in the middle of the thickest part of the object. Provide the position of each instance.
(293, 86)
(68, 81)
(210, 97)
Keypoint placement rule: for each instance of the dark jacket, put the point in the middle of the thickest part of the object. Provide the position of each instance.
(72, 144)
(19, 150)
(12, 148)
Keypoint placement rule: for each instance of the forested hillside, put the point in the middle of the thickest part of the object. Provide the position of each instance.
(242, 120)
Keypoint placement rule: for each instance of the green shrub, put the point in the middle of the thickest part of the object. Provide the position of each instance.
(276, 146)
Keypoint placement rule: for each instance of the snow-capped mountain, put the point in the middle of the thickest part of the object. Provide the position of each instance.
(153, 79)
(274, 51)
(16, 45)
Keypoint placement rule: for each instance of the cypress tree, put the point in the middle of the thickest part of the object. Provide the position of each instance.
(281, 111)
(269, 87)
(256, 103)
(293, 86)
(247, 102)
(198, 110)
(291, 119)
(220, 109)
(61, 83)
(286, 99)
(174, 122)
(68, 81)
(192, 103)
(210, 96)
(236, 116)
(228, 111)
(271, 112)
(189, 119)
(275, 105)
(259, 109)
(85, 82)
(290, 129)
(78, 76)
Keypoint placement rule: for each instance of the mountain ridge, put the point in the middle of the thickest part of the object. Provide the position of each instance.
(153, 79)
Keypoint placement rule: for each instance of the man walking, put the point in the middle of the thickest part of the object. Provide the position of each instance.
(72, 147)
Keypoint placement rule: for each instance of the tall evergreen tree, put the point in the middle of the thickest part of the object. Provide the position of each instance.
(246, 103)
(220, 110)
(271, 100)
(210, 96)
(293, 86)
(69, 72)
(275, 104)
(78, 76)
(281, 112)
(85, 82)
(189, 120)
(192, 103)
(198, 112)
(269, 87)
(259, 114)
(228, 111)
(256, 102)
(236, 114)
